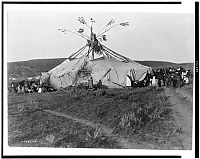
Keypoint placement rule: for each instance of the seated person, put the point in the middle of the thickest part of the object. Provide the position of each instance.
(99, 84)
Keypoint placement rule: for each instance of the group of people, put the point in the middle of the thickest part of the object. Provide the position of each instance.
(26, 86)
(91, 86)
(169, 77)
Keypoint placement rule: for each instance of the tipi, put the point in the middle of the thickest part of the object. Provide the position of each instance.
(111, 68)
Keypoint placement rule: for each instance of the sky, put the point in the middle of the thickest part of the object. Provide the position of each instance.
(159, 36)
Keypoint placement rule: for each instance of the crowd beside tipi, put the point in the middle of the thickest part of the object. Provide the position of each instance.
(163, 77)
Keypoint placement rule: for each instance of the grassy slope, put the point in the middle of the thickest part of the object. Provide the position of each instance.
(155, 64)
(30, 126)
(35, 67)
(32, 67)
(142, 114)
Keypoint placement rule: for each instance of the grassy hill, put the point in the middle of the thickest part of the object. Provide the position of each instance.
(33, 68)
(164, 64)
(158, 64)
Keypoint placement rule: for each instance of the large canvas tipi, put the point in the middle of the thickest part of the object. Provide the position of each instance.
(110, 67)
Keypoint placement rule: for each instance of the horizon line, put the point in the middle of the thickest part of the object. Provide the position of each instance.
(67, 58)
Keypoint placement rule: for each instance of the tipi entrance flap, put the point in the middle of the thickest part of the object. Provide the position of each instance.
(70, 72)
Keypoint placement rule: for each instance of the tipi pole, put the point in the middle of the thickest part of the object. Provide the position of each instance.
(120, 56)
(82, 35)
(89, 50)
(92, 54)
(107, 30)
(106, 54)
(77, 52)
(111, 54)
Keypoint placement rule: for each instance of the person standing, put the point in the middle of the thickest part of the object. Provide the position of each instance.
(12, 88)
(18, 88)
(22, 90)
(40, 89)
(90, 83)
(128, 81)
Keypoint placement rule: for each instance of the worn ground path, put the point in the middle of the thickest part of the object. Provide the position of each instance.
(123, 143)
(182, 107)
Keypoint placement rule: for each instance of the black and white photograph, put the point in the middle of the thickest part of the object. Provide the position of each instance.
(111, 77)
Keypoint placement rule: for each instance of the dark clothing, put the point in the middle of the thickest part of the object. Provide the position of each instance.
(174, 81)
(99, 85)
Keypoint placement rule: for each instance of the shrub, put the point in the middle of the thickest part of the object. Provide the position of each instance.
(148, 109)
(96, 138)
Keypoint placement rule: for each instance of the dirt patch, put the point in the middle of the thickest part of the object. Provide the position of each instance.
(182, 111)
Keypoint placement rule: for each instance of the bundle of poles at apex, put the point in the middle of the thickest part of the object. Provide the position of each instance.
(93, 40)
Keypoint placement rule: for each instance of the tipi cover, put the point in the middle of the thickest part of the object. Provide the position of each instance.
(112, 72)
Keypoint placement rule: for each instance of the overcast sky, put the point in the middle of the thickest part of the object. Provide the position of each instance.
(33, 34)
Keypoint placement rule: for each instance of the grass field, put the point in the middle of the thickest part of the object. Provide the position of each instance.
(101, 119)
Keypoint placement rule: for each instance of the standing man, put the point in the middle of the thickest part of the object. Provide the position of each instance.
(90, 83)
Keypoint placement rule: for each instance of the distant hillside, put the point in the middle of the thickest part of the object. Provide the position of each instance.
(187, 65)
(33, 68)
(156, 64)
